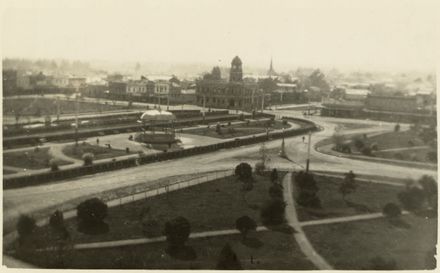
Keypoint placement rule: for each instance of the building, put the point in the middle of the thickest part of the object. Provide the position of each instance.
(356, 94)
(117, 88)
(77, 82)
(137, 88)
(161, 88)
(24, 80)
(9, 80)
(234, 94)
(406, 104)
(60, 81)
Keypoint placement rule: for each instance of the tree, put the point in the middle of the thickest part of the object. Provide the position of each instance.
(348, 186)
(358, 143)
(397, 127)
(243, 171)
(307, 190)
(245, 224)
(276, 191)
(429, 187)
(53, 163)
(338, 140)
(56, 222)
(412, 198)
(274, 175)
(228, 260)
(25, 227)
(391, 210)
(177, 233)
(91, 214)
(272, 212)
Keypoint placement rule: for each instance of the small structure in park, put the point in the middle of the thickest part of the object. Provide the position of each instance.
(157, 128)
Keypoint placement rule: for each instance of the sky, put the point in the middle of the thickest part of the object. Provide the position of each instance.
(373, 34)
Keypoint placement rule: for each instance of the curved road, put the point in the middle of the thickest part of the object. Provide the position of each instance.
(30, 199)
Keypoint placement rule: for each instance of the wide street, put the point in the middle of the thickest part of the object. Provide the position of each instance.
(30, 199)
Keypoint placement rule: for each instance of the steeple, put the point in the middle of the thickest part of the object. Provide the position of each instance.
(271, 71)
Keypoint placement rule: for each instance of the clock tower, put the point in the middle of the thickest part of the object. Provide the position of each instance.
(236, 73)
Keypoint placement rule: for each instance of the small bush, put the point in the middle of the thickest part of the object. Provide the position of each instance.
(53, 165)
(391, 210)
(358, 143)
(272, 212)
(91, 214)
(259, 168)
(177, 233)
(307, 190)
(432, 156)
(228, 260)
(285, 122)
(274, 175)
(374, 147)
(397, 127)
(88, 159)
(243, 171)
(412, 198)
(25, 226)
(245, 224)
(366, 151)
(399, 156)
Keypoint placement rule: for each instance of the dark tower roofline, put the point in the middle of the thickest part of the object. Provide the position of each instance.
(236, 60)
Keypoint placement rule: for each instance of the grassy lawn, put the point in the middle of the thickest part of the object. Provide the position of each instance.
(419, 154)
(100, 152)
(278, 252)
(48, 106)
(30, 159)
(209, 206)
(368, 197)
(352, 245)
(237, 130)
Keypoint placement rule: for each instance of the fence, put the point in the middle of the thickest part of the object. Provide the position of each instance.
(167, 186)
(22, 181)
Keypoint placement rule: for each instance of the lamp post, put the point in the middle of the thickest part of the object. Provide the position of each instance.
(76, 117)
(308, 151)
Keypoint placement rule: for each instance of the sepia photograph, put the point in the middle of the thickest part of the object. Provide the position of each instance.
(219, 135)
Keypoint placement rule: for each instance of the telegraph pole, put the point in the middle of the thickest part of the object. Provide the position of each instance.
(203, 112)
(76, 116)
(168, 101)
(308, 151)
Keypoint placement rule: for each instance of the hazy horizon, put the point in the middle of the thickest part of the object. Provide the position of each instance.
(363, 35)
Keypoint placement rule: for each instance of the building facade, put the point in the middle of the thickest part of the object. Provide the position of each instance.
(406, 104)
(232, 94)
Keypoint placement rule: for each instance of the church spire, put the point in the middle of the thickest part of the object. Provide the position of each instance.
(271, 71)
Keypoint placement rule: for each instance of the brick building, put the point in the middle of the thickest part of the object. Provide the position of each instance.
(234, 94)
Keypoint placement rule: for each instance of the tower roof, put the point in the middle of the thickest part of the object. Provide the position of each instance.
(236, 61)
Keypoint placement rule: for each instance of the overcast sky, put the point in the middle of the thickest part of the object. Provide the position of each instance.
(366, 34)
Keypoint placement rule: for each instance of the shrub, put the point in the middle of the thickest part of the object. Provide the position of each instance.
(429, 187)
(53, 165)
(274, 175)
(358, 143)
(91, 214)
(177, 233)
(127, 150)
(228, 259)
(348, 186)
(374, 147)
(272, 212)
(56, 222)
(245, 224)
(412, 198)
(391, 210)
(88, 159)
(397, 127)
(285, 122)
(276, 191)
(366, 151)
(25, 226)
(259, 168)
(243, 171)
(345, 148)
(307, 190)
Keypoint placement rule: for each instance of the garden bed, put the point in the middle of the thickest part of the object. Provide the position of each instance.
(31, 159)
(99, 152)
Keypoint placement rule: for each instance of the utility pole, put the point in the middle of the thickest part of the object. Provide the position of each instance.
(76, 116)
(308, 151)
(58, 108)
(203, 112)
(168, 101)
(262, 103)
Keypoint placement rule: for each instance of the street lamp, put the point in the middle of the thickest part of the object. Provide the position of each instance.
(308, 151)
